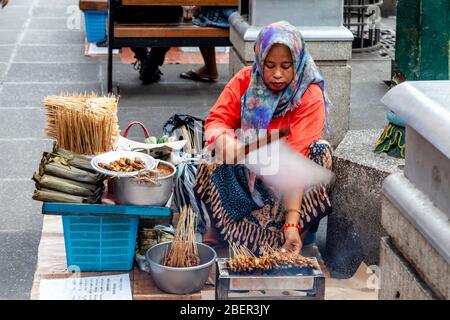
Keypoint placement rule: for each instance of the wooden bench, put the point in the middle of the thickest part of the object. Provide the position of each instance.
(100, 5)
(164, 35)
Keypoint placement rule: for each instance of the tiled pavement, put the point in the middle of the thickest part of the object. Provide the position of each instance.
(40, 56)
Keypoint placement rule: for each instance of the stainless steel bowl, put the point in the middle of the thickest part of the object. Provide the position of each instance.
(131, 191)
(180, 280)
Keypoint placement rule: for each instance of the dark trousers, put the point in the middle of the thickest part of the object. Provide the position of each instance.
(150, 15)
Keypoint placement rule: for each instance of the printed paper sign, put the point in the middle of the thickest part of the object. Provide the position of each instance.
(116, 287)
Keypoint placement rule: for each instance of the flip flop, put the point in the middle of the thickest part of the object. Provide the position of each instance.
(192, 75)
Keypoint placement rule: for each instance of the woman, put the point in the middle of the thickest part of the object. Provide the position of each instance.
(283, 89)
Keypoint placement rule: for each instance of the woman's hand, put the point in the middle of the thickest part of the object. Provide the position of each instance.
(228, 149)
(4, 3)
(292, 240)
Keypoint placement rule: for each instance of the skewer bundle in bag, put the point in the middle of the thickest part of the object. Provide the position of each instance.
(183, 251)
(83, 124)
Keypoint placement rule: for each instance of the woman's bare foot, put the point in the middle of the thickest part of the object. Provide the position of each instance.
(200, 74)
(205, 73)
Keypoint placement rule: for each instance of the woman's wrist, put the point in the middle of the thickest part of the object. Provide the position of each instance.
(292, 215)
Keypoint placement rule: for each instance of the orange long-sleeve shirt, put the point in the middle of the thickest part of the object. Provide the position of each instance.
(306, 122)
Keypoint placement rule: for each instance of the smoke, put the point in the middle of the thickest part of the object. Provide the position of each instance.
(284, 169)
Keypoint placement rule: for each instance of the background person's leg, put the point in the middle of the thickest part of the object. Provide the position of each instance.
(148, 63)
(149, 71)
(208, 72)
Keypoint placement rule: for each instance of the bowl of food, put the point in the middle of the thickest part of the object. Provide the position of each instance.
(122, 163)
(180, 280)
(148, 188)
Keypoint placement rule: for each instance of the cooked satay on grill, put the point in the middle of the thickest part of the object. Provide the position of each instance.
(245, 261)
(124, 165)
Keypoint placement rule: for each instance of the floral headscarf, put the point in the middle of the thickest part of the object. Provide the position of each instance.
(259, 104)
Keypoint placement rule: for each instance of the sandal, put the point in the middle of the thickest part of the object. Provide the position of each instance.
(192, 75)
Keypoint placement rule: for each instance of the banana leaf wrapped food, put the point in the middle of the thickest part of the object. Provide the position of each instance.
(67, 177)
(58, 166)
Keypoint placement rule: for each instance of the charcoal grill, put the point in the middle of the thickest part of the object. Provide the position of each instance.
(297, 284)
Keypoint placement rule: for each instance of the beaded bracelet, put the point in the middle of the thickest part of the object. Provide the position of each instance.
(295, 225)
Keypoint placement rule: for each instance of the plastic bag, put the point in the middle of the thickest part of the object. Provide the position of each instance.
(187, 127)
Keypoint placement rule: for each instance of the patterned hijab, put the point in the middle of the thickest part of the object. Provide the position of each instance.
(259, 104)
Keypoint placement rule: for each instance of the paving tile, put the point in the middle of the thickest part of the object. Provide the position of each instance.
(125, 74)
(154, 118)
(19, 211)
(49, 12)
(367, 93)
(369, 117)
(13, 10)
(26, 3)
(32, 53)
(161, 94)
(44, 37)
(6, 52)
(32, 95)
(13, 23)
(18, 263)
(23, 157)
(59, 23)
(367, 70)
(59, 3)
(7, 37)
(22, 123)
(2, 70)
(53, 72)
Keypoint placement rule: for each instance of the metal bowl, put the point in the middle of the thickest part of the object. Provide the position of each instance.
(180, 280)
(132, 192)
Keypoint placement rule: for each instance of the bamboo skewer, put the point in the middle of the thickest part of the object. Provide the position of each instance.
(83, 124)
(245, 261)
(183, 251)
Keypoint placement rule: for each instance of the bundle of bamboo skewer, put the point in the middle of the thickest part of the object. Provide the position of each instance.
(183, 251)
(67, 177)
(82, 123)
(245, 261)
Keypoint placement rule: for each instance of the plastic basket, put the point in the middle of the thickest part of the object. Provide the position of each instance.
(95, 22)
(101, 237)
(100, 243)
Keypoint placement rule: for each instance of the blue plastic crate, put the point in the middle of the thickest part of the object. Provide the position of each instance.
(95, 22)
(101, 237)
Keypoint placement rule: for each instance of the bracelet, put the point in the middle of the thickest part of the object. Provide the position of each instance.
(289, 225)
(286, 211)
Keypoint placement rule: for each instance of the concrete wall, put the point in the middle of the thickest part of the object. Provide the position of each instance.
(298, 12)
(428, 263)
(428, 169)
(398, 281)
(354, 228)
